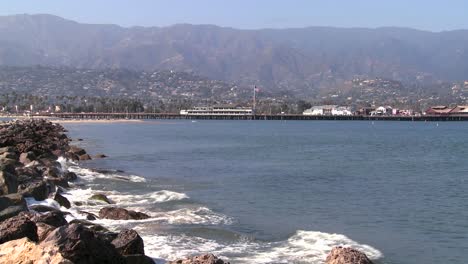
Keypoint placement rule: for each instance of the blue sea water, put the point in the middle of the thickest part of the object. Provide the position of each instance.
(286, 192)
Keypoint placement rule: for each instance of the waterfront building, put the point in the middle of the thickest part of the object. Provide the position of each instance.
(328, 110)
(235, 110)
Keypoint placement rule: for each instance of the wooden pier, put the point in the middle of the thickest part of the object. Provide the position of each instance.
(144, 116)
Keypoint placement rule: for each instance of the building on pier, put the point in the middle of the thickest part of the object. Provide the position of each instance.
(227, 110)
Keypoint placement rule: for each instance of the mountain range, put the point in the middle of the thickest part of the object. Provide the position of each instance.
(301, 60)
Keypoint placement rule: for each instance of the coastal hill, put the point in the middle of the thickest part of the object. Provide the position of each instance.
(300, 60)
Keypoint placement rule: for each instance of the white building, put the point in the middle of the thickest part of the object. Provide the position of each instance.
(218, 110)
(328, 110)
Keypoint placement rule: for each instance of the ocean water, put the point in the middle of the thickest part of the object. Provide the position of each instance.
(284, 192)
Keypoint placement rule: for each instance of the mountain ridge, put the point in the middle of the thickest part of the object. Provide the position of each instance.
(304, 60)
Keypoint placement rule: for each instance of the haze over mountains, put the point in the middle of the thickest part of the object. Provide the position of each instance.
(304, 59)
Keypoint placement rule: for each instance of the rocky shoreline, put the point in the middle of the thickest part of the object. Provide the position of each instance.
(29, 170)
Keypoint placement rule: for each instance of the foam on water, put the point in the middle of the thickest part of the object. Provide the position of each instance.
(302, 247)
(90, 175)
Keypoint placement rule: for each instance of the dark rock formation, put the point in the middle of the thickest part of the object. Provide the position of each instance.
(81, 246)
(43, 230)
(11, 205)
(117, 213)
(128, 242)
(38, 190)
(203, 259)
(341, 255)
(138, 259)
(62, 200)
(70, 176)
(8, 182)
(17, 227)
(100, 156)
(77, 150)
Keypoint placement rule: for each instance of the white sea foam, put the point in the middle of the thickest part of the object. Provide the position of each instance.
(90, 175)
(302, 247)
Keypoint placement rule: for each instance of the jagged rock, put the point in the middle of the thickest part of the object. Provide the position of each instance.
(6, 161)
(62, 200)
(100, 156)
(100, 197)
(203, 259)
(80, 245)
(85, 157)
(27, 157)
(77, 150)
(17, 227)
(37, 190)
(43, 230)
(8, 183)
(138, 259)
(28, 174)
(26, 252)
(71, 156)
(341, 255)
(70, 176)
(11, 205)
(116, 213)
(128, 242)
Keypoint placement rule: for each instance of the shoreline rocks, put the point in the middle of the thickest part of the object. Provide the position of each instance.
(29, 150)
(117, 213)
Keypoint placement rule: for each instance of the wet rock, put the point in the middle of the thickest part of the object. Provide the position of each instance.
(341, 255)
(17, 227)
(100, 156)
(62, 200)
(89, 216)
(85, 157)
(80, 245)
(27, 252)
(8, 182)
(128, 242)
(11, 205)
(138, 259)
(55, 219)
(77, 150)
(60, 181)
(90, 225)
(37, 190)
(52, 172)
(116, 213)
(71, 156)
(70, 176)
(203, 259)
(100, 197)
(27, 157)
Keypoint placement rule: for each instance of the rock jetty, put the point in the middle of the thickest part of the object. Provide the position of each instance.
(29, 150)
(343, 255)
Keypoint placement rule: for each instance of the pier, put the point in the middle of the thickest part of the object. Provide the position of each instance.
(145, 116)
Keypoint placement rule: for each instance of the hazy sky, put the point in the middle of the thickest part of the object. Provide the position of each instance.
(434, 15)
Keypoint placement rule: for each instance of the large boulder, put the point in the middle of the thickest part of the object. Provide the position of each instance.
(138, 259)
(202, 259)
(27, 157)
(342, 255)
(70, 176)
(116, 213)
(55, 219)
(11, 205)
(60, 181)
(80, 245)
(43, 230)
(8, 182)
(128, 242)
(27, 252)
(17, 227)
